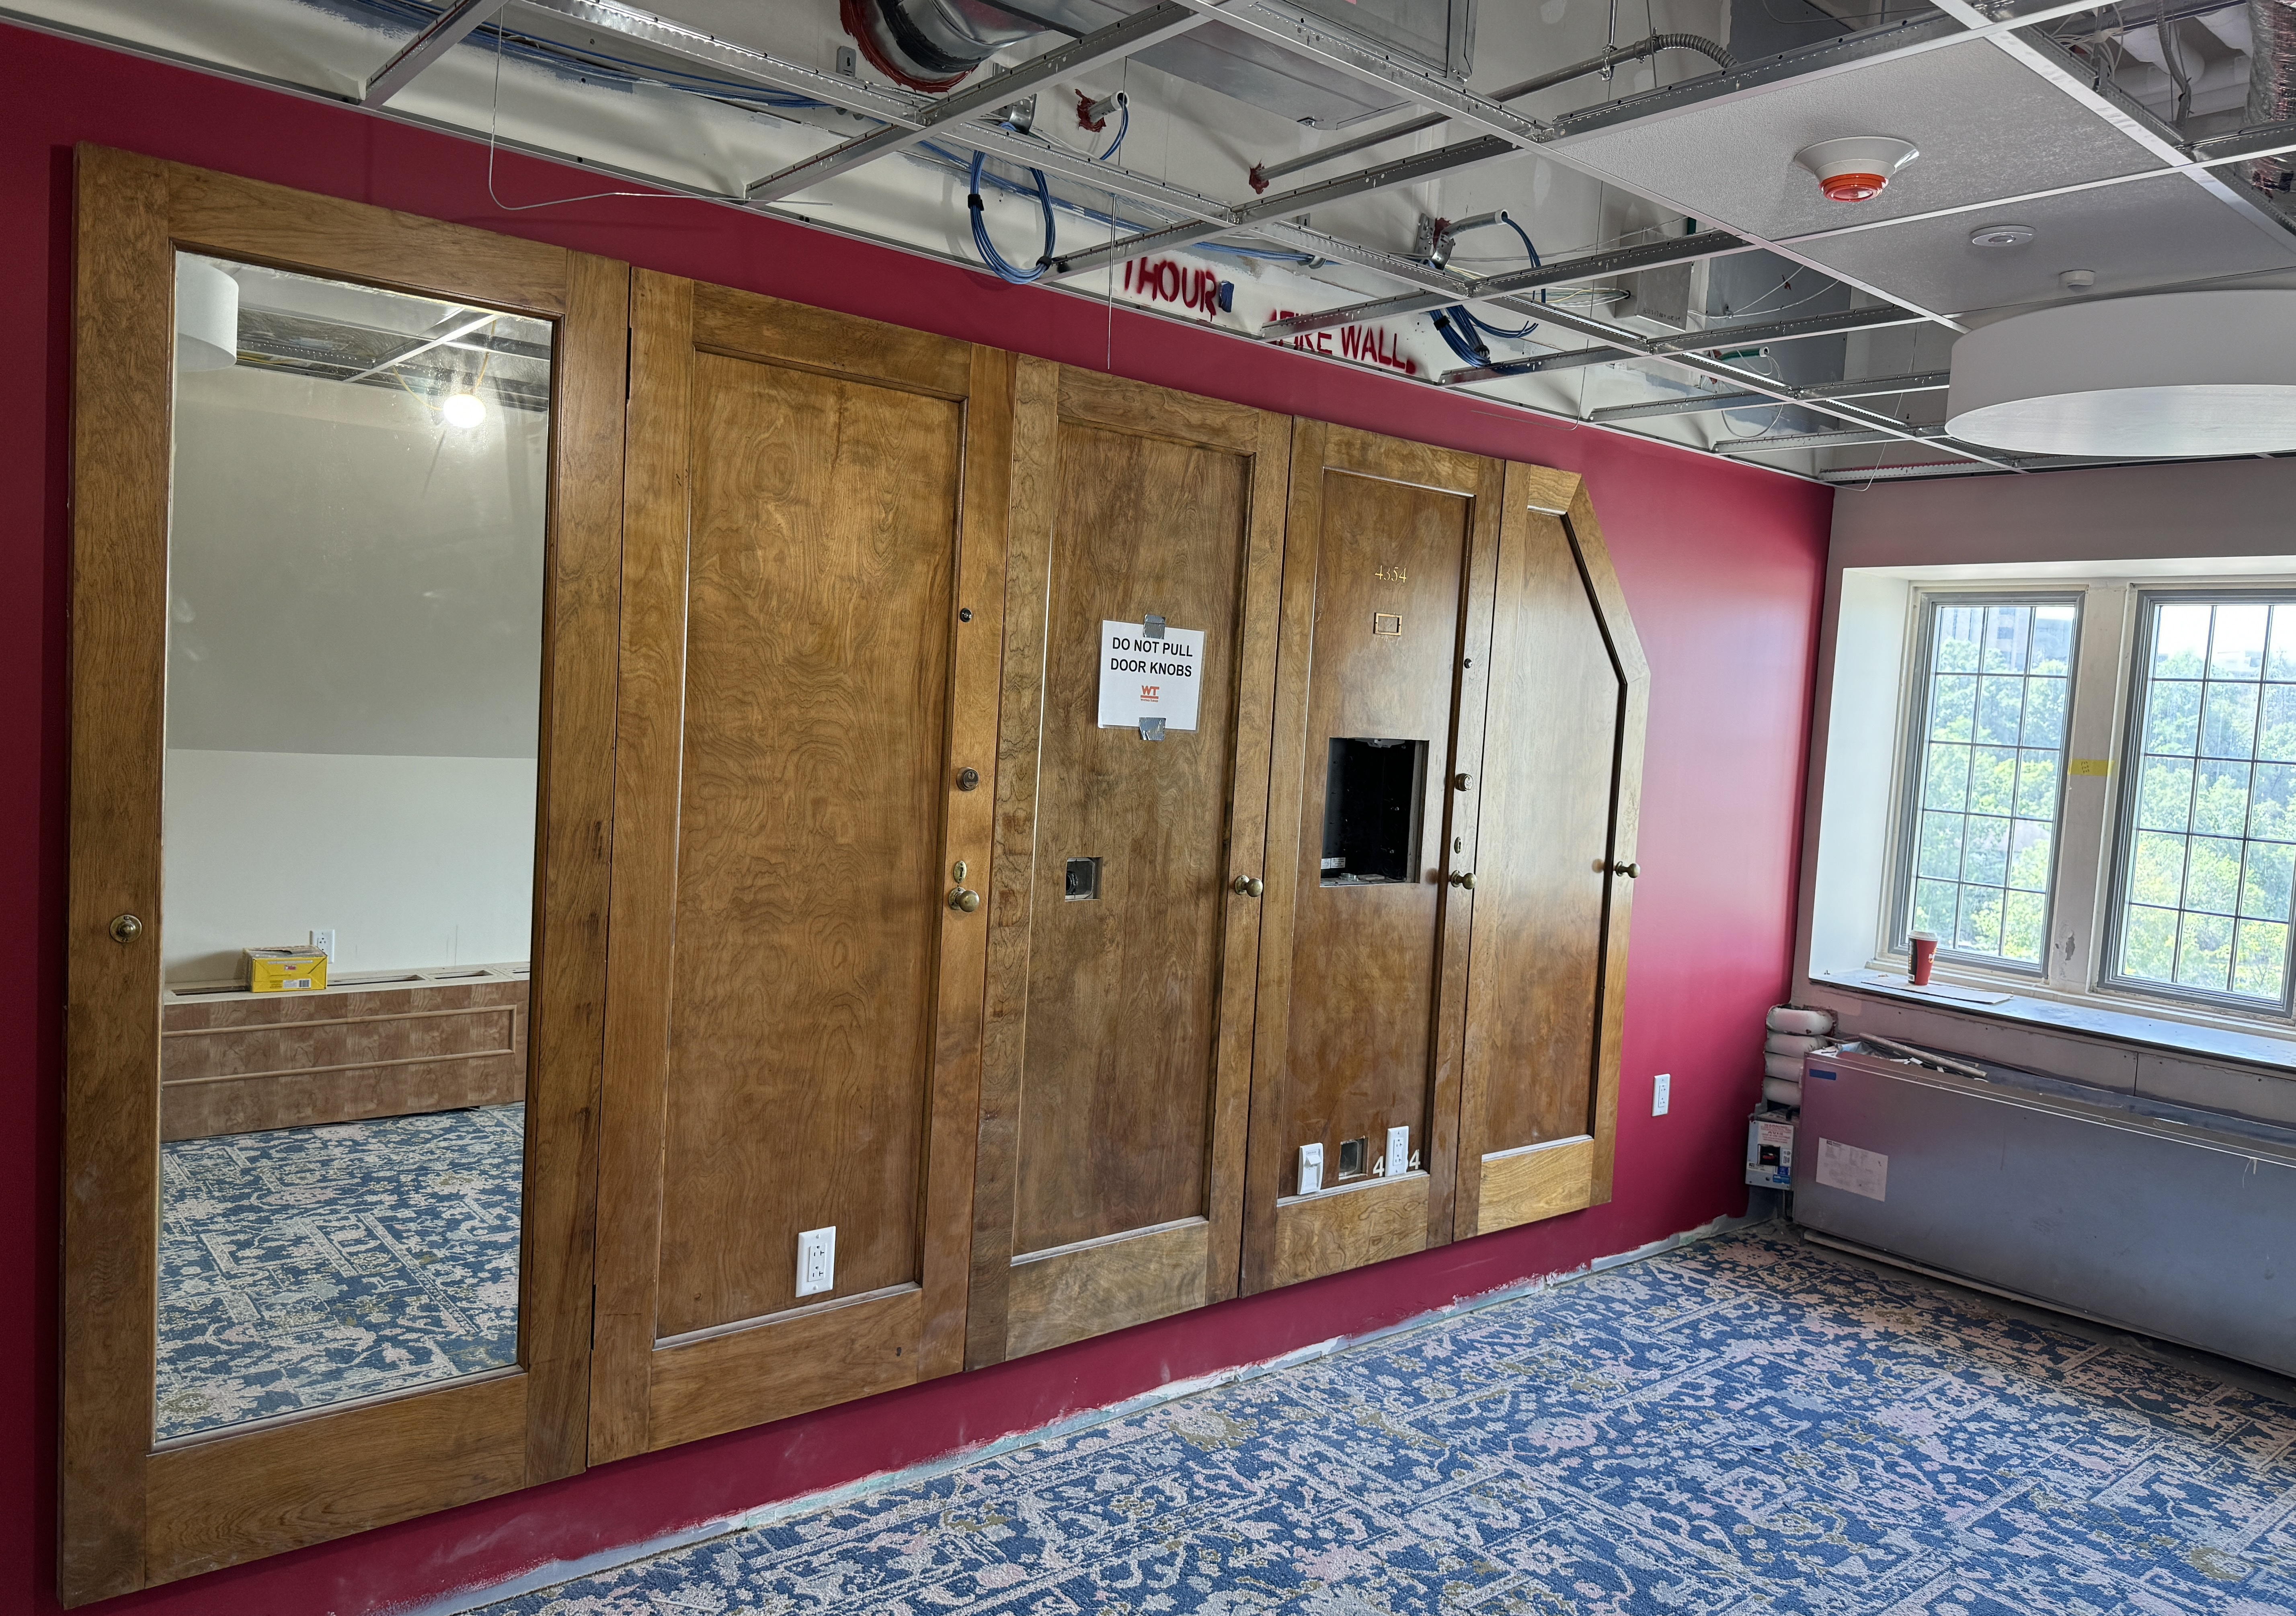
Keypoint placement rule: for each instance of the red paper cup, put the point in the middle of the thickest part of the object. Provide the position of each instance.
(1924, 957)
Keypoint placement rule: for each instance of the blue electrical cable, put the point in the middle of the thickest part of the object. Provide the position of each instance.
(989, 256)
(1462, 332)
(1123, 128)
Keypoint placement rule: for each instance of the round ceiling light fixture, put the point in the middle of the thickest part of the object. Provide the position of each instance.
(2001, 236)
(2174, 374)
(1855, 167)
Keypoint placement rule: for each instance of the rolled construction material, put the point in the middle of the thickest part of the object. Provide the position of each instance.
(1784, 1066)
(1782, 1091)
(1794, 1043)
(1794, 1018)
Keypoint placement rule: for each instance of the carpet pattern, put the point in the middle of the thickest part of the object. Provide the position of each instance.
(307, 1266)
(1744, 1426)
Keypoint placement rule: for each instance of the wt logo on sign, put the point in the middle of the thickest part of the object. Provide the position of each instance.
(1171, 657)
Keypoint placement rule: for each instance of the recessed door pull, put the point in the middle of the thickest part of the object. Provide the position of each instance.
(1464, 879)
(1630, 871)
(1249, 886)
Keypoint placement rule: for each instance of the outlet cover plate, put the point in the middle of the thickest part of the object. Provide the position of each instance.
(817, 1261)
(1398, 1152)
(1661, 1093)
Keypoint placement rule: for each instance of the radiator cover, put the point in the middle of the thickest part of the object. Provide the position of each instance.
(2169, 1221)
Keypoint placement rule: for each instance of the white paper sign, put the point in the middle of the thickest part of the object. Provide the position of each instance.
(1150, 678)
(1845, 1167)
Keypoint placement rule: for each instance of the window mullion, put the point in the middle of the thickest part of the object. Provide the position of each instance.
(2083, 845)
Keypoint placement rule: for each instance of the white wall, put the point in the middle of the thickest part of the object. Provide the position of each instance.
(354, 667)
(416, 862)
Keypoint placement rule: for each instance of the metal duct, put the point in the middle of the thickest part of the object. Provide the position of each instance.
(2272, 92)
(929, 44)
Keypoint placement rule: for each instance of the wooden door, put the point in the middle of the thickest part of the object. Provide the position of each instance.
(135, 1510)
(1363, 976)
(1122, 961)
(812, 575)
(1562, 779)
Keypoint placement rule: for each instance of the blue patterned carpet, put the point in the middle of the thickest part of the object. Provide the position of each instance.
(1745, 1426)
(311, 1264)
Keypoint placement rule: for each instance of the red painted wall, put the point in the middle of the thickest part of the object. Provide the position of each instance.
(1722, 566)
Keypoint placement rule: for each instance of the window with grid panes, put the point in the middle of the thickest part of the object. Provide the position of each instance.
(1990, 745)
(2208, 840)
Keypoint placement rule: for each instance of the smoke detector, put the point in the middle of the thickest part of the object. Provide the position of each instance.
(2176, 374)
(1855, 167)
(2001, 236)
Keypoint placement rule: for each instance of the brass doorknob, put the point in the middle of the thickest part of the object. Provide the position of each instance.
(126, 928)
(1464, 879)
(1630, 871)
(1249, 886)
(964, 900)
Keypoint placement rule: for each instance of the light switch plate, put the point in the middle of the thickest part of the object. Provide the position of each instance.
(1661, 1093)
(1311, 1169)
(817, 1261)
(1398, 1152)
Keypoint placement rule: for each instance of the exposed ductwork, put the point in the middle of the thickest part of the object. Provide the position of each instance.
(2271, 90)
(931, 44)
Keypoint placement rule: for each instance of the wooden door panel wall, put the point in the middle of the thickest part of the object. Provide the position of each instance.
(1364, 972)
(1122, 962)
(1562, 762)
(133, 1512)
(816, 522)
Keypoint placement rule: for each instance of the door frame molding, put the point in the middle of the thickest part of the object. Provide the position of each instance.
(1558, 1175)
(1049, 396)
(650, 1393)
(132, 1513)
(1290, 1238)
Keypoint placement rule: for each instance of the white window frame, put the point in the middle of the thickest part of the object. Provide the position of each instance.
(1913, 768)
(2092, 807)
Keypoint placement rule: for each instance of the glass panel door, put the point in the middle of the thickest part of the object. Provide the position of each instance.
(355, 593)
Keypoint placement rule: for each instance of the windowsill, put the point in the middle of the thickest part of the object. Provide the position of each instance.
(2277, 1055)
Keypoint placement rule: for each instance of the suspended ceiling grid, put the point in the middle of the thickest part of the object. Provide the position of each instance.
(1990, 128)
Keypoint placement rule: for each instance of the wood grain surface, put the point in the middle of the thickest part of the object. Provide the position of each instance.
(131, 1516)
(239, 1497)
(852, 1348)
(816, 526)
(1063, 1296)
(1536, 1181)
(1341, 1229)
(823, 551)
(1362, 996)
(246, 1064)
(1118, 1049)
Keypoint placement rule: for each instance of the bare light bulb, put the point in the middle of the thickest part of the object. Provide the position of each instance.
(463, 410)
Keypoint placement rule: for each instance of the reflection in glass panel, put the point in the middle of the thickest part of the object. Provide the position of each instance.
(353, 674)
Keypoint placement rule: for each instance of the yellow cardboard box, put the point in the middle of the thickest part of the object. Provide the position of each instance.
(286, 970)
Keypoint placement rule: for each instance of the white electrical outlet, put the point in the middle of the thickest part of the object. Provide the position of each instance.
(1661, 1093)
(1311, 1169)
(817, 1261)
(1398, 1152)
(324, 940)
